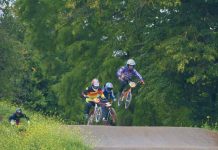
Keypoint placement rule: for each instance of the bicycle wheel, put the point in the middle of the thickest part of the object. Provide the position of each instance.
(98, 114)
(112, 117)
(128, 100)
(91, 118)
(120, 100)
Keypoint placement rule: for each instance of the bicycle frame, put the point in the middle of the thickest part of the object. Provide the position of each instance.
(95, 115)
(127, 94)
(111, 114)
(131, 86)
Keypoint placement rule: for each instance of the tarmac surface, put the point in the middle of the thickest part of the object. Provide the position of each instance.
(149, 138)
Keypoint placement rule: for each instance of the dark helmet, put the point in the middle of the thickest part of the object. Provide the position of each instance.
(18, 111)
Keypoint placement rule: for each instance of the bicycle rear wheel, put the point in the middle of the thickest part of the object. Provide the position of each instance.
(128, 100)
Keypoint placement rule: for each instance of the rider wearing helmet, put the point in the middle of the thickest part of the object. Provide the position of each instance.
(126, 73)
(92, 92)
(15, 117)
(109, 94)
(108, 91)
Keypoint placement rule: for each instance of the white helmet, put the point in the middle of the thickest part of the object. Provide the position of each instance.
(108, 86)
(131, 62)
(95, 84)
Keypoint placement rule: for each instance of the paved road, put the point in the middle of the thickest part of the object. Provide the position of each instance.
(150, 138)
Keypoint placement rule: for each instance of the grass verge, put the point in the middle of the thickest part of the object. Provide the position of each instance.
(42, 133)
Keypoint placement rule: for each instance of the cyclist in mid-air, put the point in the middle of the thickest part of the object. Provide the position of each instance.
(110, 97)
(91, 93)
(15, 117)
(125, 74)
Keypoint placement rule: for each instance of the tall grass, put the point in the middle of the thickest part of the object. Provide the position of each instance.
(42, 134)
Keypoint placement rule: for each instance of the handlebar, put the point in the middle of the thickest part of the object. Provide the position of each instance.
(125, 77)
(99, 102)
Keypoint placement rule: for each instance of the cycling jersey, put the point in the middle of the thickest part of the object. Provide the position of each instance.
(90, 94)
(128, 73)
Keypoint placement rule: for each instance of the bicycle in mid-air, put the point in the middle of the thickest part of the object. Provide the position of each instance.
(126, 95)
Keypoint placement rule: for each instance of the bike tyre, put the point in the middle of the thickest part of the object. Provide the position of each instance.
(91, 118)
(112, 117)
(98, 115)
(128, 100)
(120, 100)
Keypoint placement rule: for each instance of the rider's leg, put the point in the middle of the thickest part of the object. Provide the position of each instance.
(104, 111)
(87, 109)
(123, 85)
(104, 114)
(17, 121)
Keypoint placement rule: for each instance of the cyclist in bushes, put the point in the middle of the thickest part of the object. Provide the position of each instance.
(15, 117)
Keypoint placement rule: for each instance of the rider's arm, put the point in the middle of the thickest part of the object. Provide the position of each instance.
(138, 75)
(85, 93)
(25, 116)
(101, 93)
(120, 73)
(113, 96)
(102, 96)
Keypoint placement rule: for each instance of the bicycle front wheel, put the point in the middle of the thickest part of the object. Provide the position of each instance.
(112, 117)
(128, 100)
(91, 118)
(120, 100)
(98, 114)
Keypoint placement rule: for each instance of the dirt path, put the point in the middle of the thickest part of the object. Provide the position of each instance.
(150, 138)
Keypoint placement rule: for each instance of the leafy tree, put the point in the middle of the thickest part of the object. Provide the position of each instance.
(173, 42)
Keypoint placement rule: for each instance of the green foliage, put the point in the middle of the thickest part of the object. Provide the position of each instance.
(11, 56)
